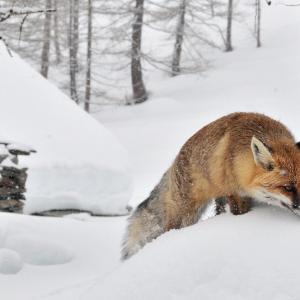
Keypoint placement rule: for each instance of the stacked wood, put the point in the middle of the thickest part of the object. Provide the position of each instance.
(13, 176)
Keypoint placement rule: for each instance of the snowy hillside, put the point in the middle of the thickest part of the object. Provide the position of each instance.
(79, 164)
(247, 257)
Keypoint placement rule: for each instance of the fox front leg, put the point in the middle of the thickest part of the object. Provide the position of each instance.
(220, 205)
(239, 205)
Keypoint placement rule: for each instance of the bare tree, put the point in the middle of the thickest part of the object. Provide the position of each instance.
(228, 46)
(179, 39)
(56, 33)
(88, 58)
(73, 48)
(257, 22)
(139, 91)
(212, 7)
(46, 40)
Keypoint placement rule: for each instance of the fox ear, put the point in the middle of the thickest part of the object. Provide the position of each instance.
(298, 145)
(261, 154)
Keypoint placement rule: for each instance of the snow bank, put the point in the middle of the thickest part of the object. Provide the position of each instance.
(22, 245)
(78, 164)
(37, 251)
(252, 256)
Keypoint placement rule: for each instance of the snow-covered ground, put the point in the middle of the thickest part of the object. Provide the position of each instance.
(253, 256)
(78, 164)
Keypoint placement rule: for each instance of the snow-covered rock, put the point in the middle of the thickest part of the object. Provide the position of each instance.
(78, 164)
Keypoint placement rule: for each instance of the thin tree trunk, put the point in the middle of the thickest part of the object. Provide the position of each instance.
(257, 22)
(138, 87)
(89, 58)
(46, 40)
(228, 46)
(56, 34)
(73, 47)
(179, 39)
(212, 8)
(76, 30)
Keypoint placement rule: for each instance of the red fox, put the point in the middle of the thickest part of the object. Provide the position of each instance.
(241, 156)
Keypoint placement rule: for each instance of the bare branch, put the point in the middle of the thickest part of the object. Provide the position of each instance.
(6, 15)
(6, 45)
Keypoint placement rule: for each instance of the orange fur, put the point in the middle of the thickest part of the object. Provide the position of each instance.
(239, 157)
(218, 162)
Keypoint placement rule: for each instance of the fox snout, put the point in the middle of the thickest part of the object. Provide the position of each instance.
(294, 196)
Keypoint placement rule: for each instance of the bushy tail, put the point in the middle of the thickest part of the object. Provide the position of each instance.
(147, 221)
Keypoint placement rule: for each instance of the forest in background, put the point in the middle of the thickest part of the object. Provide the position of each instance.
(102, 52)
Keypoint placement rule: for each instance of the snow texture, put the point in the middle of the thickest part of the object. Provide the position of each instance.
(20, 147)
(78, 164)
(38, 251)
(249, 257)
(10, 262)
(244, 257)
(20, 246)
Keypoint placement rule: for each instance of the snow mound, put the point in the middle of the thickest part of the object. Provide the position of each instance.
(253, 256)
(78, 164)
(36, 251)
(10, 262)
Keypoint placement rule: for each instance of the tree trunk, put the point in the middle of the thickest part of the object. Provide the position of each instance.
(76, 30)
(56, 34)
(257, 22)
(46, 40)
(138, 87)
(228, 46)
(89, 58)
(179, 39)
(212, 8)
(73, 49)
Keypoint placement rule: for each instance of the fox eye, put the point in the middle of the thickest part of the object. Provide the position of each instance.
(289, 188)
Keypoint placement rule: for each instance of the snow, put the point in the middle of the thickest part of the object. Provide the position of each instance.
(3, 151)
(20, 147)
(252, 256)
(221, 258)
(76, 159)
(7, 162)
(38, 251)
(10, 262)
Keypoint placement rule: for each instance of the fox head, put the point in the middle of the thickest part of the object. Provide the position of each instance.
(277, 173)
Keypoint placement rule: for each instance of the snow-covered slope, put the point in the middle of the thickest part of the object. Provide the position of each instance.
(254, 256)
(78, 164)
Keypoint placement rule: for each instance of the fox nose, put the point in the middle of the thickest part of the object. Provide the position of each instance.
(295, 206)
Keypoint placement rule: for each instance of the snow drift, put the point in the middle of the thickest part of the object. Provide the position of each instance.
(252, 256)
(78, 164)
